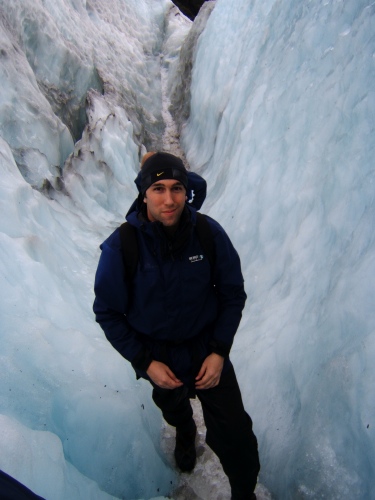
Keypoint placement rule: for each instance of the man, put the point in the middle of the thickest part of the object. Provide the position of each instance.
(176, 318)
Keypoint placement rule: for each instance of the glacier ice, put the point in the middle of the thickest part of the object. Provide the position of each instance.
(179, 74)
(282, 127)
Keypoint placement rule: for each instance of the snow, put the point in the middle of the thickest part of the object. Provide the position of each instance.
(282, 127)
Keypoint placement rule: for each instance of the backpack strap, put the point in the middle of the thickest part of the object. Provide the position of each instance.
(206, 238)
(130, 250)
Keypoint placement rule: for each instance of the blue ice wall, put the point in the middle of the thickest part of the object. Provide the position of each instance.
(282, 126)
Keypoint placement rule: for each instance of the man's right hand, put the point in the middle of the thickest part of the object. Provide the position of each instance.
(163, 376)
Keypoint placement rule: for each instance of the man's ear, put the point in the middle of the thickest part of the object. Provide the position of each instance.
(145, 198)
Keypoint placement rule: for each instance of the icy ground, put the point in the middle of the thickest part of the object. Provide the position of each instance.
(208, 480)
(282, 105)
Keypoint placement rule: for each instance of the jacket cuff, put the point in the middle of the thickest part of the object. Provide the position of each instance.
(219, 348)
(142, 360)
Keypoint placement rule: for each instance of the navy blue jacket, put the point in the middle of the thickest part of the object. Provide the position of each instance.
(176, 304)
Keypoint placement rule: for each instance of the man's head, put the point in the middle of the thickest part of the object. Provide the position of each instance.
(146, 157)
(163, 186)
(160, 166)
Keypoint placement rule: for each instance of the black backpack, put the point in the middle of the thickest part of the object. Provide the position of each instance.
(130, 251)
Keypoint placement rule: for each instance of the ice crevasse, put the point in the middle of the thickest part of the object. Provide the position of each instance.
(278, 116)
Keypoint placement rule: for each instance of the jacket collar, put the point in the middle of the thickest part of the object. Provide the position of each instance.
(164, 244)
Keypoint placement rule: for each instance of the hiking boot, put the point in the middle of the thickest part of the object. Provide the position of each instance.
(184, 452)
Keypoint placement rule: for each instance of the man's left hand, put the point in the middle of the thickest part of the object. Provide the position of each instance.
(210, 372)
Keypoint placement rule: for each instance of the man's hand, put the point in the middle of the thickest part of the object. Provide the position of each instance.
(210, 372)
(163, 376)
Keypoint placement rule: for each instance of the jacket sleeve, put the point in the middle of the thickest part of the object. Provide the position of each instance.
(110, 305)
(229, 286)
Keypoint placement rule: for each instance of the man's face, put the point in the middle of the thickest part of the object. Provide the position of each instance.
(165, 201)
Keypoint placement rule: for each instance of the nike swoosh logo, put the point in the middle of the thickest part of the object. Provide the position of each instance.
(158, 175)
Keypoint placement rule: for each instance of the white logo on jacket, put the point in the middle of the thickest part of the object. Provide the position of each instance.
(196, 258)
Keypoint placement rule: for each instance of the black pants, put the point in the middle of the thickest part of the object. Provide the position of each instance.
(229, 428)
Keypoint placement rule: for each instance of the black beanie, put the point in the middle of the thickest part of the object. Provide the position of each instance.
(162, 166)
